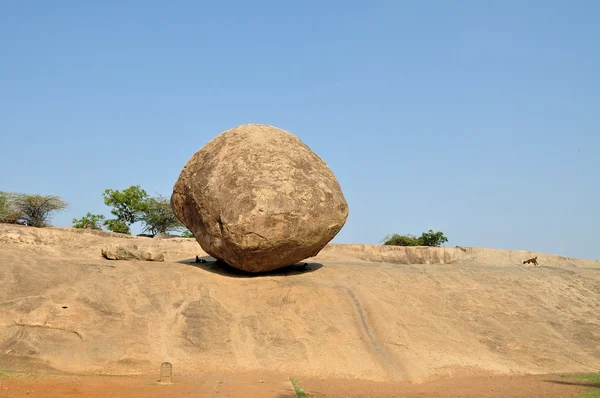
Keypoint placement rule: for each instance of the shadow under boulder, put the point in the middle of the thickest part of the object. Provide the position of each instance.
(213, 265)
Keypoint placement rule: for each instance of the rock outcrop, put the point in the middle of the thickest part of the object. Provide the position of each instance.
(258, 198)
(121, 252)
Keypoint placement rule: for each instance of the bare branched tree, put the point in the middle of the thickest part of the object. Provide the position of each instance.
(9, 214)
(158, 217)
(35, 210)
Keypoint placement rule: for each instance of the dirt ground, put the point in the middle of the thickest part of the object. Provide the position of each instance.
(530, 386)
(267, 386)
(92, 386)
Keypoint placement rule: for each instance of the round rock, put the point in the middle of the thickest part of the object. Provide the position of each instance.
(257, 198)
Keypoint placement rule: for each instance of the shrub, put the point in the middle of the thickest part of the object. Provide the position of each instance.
(117, 226)
(92, 221)
(401, 240)
(426, 239)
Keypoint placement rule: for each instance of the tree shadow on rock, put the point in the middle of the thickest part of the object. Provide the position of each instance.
(210, 264)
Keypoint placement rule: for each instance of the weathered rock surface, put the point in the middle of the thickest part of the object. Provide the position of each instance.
(259, 199)
(121, 252)
(64, 308)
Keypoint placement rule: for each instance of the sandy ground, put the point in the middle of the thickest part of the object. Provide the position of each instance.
(273, 386)
(532, 386)
(356, 312)
(204, 385)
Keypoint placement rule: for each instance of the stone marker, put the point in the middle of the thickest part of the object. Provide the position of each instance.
(166, 373)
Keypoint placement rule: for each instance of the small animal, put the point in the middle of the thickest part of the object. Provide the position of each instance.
(200, 260)
(531, 261)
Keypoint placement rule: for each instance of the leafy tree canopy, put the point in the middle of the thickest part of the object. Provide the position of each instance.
(432, 238)
(127, 204)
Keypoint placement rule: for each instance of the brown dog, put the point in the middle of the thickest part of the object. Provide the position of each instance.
(531, 261)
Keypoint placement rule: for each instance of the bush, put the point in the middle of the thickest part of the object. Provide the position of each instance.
(92, 221)
(426, 239)
(401, 240)
(158, 216)
(35, 210)
(117, 226)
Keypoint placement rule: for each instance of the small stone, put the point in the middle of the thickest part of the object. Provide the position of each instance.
(166, 373)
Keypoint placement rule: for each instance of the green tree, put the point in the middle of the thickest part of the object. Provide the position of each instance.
(432, 238)
(128, 206)
(35, 210)
(400, 240)
(158, 217)
(92, 221)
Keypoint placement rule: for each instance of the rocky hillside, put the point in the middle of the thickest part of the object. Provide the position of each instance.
(355, 311)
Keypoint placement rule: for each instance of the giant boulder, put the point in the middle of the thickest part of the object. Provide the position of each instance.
(258, 198)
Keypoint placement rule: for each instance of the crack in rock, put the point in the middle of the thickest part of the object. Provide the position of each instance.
(48, 327)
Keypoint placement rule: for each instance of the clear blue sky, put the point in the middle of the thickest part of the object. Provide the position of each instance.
(480, 119)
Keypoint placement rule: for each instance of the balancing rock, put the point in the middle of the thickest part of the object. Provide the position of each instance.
(257, 198)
